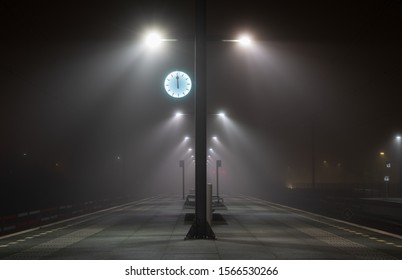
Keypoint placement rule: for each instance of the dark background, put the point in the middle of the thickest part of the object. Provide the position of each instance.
(83, 112)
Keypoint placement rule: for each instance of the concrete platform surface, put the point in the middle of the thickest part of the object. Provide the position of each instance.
(155, 228)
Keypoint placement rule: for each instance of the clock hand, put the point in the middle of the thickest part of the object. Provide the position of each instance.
(177, 79)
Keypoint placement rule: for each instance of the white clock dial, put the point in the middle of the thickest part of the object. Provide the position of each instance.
(177, 84)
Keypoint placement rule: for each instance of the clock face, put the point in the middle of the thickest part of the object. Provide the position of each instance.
(177, 84)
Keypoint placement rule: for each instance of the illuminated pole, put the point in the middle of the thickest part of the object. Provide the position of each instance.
(313, 155)
(386, 180)
(200, 228)
(181, 164)
(218, 164)
(398, 139)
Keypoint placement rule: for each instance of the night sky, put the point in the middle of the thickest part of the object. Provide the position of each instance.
(83, 112)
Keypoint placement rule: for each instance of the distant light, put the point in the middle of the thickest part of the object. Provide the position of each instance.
(325, 162)
(211, 149)
(190, 149)
(24, 154)
(215, 138)
(153, 39)
(398, 138)
(209, 156)
(244, 40)
(221, 114)
(382, 153)
(118, 158)
(186, 138)
(179, 114)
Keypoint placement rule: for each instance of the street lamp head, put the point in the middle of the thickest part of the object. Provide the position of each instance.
(179, 114)
(153, 39)
(245, 40)
(221, 114)
(398, 138)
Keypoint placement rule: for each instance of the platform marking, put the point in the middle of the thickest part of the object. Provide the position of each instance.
(283, 207)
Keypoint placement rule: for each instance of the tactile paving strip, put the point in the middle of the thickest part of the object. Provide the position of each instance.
(47, 248)
(354, 249)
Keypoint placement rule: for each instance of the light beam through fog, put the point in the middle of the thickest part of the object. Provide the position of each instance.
(250, 164)
(84, 106)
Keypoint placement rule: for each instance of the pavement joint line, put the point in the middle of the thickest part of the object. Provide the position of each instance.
(333, 240)
(136, 202)
(56, 244)
(253, 235)
(329, 218)
(345, 229)
(44, 233)
(3, 246)
(165, 254)
(37, 235)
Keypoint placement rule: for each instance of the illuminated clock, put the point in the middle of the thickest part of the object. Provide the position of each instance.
(177, 84)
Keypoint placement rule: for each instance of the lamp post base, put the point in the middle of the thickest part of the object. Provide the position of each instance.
(195, 232)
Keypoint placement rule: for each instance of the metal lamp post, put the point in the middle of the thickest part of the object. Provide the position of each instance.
(181, 164)
(398, 139)
(200, 228)
(218, 164)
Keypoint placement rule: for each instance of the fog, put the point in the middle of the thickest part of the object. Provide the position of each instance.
(84, 114)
